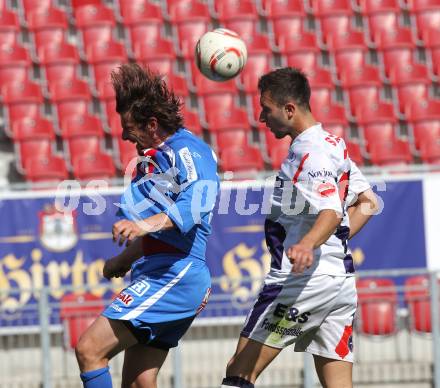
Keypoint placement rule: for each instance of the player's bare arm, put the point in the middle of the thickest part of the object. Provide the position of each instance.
(361, 211)
(119, 265)
(125, 231)
(301, 254)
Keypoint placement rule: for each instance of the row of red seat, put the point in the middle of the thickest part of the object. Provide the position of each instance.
(378, 303)
(377, 308)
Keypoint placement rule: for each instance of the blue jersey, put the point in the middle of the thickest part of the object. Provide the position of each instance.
(178, 178)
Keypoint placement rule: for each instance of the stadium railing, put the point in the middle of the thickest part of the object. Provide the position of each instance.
(395, 342)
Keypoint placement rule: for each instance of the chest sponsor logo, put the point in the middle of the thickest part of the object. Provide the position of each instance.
(140, 287)
(188, 162)
(321, 174)
(126, 299)
(326, 189)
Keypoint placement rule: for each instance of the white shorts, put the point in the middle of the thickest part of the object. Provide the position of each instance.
(313, 312)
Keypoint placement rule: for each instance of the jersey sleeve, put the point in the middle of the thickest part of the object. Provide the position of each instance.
(358, 183)
(316, 179)
(198, 187)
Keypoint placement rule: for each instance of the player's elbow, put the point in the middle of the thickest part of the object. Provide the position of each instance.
(369, 201)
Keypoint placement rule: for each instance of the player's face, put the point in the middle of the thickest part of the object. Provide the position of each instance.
(134, 134)
(274, 116)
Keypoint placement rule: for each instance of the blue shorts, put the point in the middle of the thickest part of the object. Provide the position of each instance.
(165, 295)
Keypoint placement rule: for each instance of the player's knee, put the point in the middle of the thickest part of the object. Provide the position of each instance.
(85, 352)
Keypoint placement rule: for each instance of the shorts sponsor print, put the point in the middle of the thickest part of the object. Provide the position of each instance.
(173, 291)
(315, 313)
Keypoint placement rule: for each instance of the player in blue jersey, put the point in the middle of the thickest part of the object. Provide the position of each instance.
(165, 222)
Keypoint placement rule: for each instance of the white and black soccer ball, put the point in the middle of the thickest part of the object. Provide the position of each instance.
(220, 54)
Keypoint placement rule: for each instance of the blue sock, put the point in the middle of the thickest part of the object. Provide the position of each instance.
(99, 378)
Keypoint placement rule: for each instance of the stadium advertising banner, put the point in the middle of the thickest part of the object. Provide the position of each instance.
(40, 245)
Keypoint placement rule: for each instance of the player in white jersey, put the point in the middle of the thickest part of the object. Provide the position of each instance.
(309, 295)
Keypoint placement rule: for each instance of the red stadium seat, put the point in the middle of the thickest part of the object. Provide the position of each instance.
(158, 55)
(278, 154)
(319, 77)
(81, 3)
(235, 118)
(364, 95)
(303, 60)
(93, 166)
(377, 113)
(89, 16)
(351, 39)
(411, 93)
(43, 169)
(15, 64)
(320, 97)
(422, 5)
(258, 44)
(386, 22)
(48, 26)
(82, 146)
(187, 36)
(241, 159)
(381, 131)
(139, 11)
(287, 27)
(297, 42)
(230, 139)
(425, 110)
(330, 114)
(245, 28)
(227, 10)
(428, 23)
(430, 151)
(103, 52)
(377, 306)
(425, 132)
(77, 312)
(188, 11)
(256, 66)
(336, 25)
(126, 151)
(9, 27)
(369, 7)
(30, 6)
(397, 56)
(355, 153)
(354, 58)
(60, 62)
(138, 32)
(81, 126)
(360, 76)
(30, 149)
(22, 100)
(254, 108)
(324, 8)
(384, 153)
(96, 23)
(280, 9)
(178, 84)
(417, 296)
(204, 86)
(408, 74)
(32, 129)
(192, 121)
(392, 39)
(71, 98)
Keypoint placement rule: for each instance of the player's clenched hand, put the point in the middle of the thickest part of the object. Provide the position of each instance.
(115, 268)
(126, 231)
(301, 257)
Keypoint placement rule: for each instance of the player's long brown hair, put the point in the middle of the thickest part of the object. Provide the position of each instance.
(144, 94)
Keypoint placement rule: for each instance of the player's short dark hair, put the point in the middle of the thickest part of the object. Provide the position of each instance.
(144, 94)
(286, 84)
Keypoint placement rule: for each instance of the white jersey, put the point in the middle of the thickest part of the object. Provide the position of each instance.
(316, 175)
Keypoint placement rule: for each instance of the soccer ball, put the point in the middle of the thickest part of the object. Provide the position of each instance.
(220, 54)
